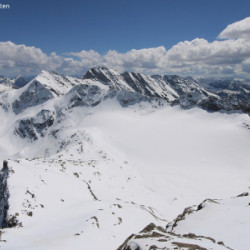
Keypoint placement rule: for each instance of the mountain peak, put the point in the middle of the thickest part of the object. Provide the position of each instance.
(100, 73)
(57, 84)
(107, 77)
(173, 89)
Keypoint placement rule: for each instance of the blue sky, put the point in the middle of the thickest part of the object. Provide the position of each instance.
(63, 26)
(99, 26)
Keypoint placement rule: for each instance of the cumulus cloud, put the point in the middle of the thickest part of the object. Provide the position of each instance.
(20, 56)
(229, 57)
(143, 60)
(217, 52)
(240, 29)
(137, 60)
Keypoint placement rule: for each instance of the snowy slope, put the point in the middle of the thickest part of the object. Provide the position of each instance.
(82, 188)
(18, 100)
(155, 237)
(226, 220)
(42, 88)
(107, 77)
(173, 89)
(107, 172)
(235, 93)
(149, 86)
(6, 84)
(63, 205)
(179, 150)
(81, 167)
(213, 224)
(58, 85)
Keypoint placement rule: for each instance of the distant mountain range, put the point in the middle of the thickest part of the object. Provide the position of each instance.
(128, 88)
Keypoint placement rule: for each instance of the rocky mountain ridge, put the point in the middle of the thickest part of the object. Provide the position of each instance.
(131, 88)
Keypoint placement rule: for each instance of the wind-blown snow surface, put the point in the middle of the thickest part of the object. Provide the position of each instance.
(102, 173)
(182, 155)
(222, 219)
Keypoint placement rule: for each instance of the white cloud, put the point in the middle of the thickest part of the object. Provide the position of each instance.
(203, 58)
(14, 57)
(246, 66)
(217, 52)
(143, 60)
(197, 57)
(138, 60)
(240, 29)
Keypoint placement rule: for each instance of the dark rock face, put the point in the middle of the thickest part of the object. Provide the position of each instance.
(210, 104)
(234, 94)
(108, 78)
(85, 95)
(35, 94)
(6, 220)
(177, 83)
(235, 101)
(191, 93)
(172, 89)
(31, 128)
(97, 74)
(92, 95)
(4, 195)
(20, 82)
(126, 98)
(138, 83)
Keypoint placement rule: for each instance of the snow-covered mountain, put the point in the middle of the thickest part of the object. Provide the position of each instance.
(42, 88)
(235, 94)
(173, 89)
(88, 162)
(170, 89)
(6, 84)
(131, 88)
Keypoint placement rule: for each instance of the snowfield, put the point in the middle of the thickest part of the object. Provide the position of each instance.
(86, 172)
(123, 169)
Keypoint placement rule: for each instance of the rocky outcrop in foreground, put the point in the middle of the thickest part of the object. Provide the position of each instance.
(153, 237)
(213, 224)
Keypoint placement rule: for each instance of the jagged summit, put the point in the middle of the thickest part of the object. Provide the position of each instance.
(43, 87)
(97, 73)
(57, 84)
(32, 94)
(130, 88)
(107, 77)
(149, 86)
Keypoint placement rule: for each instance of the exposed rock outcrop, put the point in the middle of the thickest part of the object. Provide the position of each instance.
(4, 195)
(33, 127)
